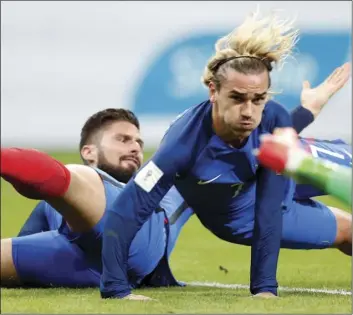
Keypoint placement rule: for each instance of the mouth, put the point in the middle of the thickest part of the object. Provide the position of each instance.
(242, 126)
(246, 125)
(133, 160)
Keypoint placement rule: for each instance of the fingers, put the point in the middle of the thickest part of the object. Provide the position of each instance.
(306, 85)
(265, 295)
(137, 297)
(341, 71)
(339, 77)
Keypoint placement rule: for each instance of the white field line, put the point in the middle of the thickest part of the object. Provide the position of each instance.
(283, 289)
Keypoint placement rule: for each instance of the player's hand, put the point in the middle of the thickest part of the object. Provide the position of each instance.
(265, 295)
(314, 99)
(136, 297)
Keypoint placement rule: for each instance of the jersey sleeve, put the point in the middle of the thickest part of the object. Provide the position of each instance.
(301, 118)
(270, 190)
(278, 116)
(270, 193)
(135, 204)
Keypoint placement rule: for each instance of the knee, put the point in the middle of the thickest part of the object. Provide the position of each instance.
(8, 271)
(343, 240)
(344, 226)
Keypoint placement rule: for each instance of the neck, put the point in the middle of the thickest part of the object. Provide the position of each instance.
(225, 133)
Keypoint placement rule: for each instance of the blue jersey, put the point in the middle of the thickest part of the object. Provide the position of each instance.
(154, 241)
(221, 184)
(335, 151)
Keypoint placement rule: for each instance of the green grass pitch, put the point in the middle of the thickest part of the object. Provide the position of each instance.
(197, 257)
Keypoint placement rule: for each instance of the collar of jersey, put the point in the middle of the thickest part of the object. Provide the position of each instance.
(219, 147)
(106, 176)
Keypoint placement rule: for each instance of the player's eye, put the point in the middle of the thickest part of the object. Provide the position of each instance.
(120, 138)
(140, 143)
(237, 99)
(259, 100)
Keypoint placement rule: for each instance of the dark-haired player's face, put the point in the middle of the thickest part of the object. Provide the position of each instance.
(120, 150)
(240, 102)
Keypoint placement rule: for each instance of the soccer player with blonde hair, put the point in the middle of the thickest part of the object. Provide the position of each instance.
(207, 153)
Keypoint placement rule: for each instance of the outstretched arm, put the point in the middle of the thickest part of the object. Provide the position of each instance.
(270, 194)
(130, 211)
(136, 203)
(270, 189)
(313, 100)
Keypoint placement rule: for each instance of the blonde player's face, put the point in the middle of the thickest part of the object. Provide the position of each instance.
(240, 102)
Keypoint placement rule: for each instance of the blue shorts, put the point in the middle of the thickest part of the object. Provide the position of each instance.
(50, 259)
(307, 224)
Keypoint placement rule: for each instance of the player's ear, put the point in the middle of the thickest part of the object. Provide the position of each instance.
(89, 153)
(212, 92)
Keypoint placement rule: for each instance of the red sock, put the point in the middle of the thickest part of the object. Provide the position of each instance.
(34, 174)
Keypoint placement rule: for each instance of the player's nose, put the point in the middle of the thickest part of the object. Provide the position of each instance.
(135, 147)
(246, 109)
